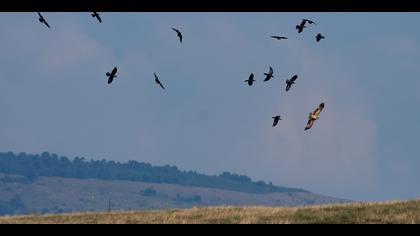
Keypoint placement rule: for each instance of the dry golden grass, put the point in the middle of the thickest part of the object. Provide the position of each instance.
(389, 212)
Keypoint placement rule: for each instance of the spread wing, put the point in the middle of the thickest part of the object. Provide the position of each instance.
(309, 124)
(177, 31)
(275, 121)
(319, 109)
(309, 21)
(271, 71)
(294, 78)
(158, 81)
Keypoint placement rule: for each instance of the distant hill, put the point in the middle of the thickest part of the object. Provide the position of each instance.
(21, 195)
(407, 212)
(51, 165)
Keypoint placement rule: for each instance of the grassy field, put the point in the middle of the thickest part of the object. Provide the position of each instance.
(389, 212)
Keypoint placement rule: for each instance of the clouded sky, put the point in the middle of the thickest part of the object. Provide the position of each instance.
(54, 96)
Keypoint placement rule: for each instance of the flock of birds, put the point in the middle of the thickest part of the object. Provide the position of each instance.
(313, 116)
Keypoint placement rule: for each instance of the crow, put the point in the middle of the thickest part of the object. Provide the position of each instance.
(301, 26)
(319, 37)
(95, 14)
(278, 37)
(269, 75)
(112, 75)
(276, 120)
(290, 82)
(42, 20)
(179, 34)
(250, 80)
(158, 82)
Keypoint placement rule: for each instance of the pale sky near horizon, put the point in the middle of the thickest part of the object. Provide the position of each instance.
(54, 96)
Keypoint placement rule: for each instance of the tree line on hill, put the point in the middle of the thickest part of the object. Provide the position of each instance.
(52, 165)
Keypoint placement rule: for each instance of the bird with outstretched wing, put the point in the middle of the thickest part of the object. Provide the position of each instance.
(313, 116)
(290, 82)
(158, 81)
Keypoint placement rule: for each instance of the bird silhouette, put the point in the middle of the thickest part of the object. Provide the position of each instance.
(95, 14)
(309, 21)
(278, 37)
(112, 75)
(276, 120)
(158, 82)
(251, 79)
(301, 26)
(313, 116)
(42, 20)
(269, 75)
(290, 82)
(319, 37)
(179, 34)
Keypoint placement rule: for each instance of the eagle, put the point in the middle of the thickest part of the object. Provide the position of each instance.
(313, 116)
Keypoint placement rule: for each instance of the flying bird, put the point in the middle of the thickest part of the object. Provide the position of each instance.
(313, 116)
(95, 14)
(269, 75)
(278, 37)
(309, 21)
(42, 20)
(276, 120)
(301, 26)
(112, 75)
(158, 82)
(179, 34)
(250, 80)
(290, 82)
(319, 37)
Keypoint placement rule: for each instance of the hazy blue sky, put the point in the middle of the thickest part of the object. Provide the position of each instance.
(54, 96)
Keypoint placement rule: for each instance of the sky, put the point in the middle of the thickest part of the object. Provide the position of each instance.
(54, 96)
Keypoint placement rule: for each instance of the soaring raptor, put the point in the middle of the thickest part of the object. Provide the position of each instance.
(313, 116)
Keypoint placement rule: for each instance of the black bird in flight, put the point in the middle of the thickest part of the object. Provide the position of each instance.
(158, 82)
(276, 120)
(309, 21)
(95, 14)
(112, 75)
(290, 82)
(278, 37)
(269, 75)
(301, 26)
(179, 34)
(42, 20)
(313, 116)
(319, 37)
(250, 80)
